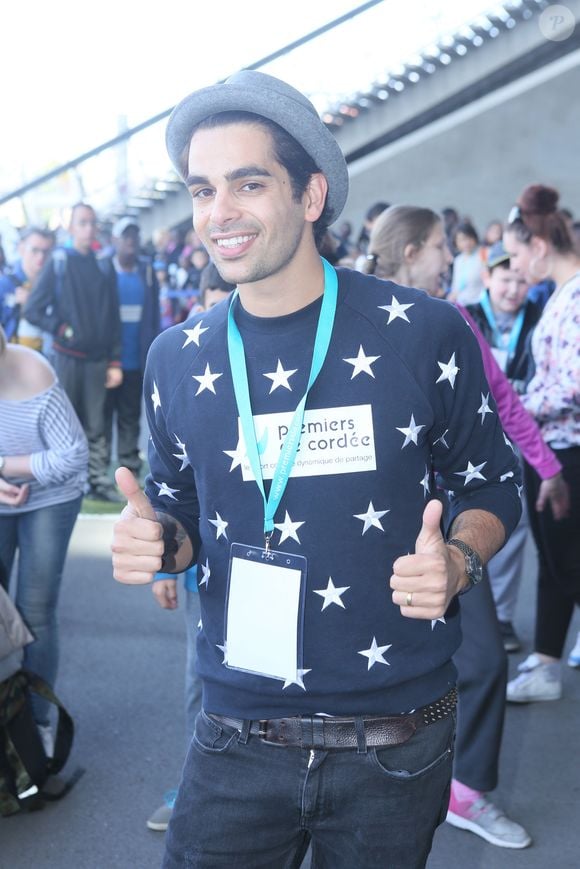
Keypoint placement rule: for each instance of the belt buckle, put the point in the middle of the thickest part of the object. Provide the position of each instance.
(263, 729)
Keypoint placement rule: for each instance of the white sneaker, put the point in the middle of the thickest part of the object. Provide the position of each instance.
(574, 656)
(536, 681)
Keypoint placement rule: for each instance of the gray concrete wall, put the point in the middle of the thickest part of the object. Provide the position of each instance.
(479, 158)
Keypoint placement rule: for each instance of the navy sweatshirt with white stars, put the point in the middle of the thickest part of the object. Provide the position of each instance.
(401, 397)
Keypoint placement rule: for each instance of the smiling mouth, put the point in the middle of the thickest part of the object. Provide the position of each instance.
(233, 242)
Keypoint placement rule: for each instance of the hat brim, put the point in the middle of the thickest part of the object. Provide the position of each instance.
(293, 116)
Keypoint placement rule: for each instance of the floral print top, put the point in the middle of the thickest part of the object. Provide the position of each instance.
(553, 395)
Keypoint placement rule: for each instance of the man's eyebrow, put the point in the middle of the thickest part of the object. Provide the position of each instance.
(234, 175)
(195, 179)
(246, 172)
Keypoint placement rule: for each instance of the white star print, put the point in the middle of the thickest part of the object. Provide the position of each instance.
(485, 408)
(279, 377)
(411, 432)
(508, 442)
(472, 472)
(206, 380)
(223, 649)
(297, 679)
(165, 490)
(375, 654)
(331, 594)
(520, 490)
(361, 363)
(220, 526)
(155, 397)
(505, 477)
(288, 528)
(237, 456)
(183, 457)
(434, 622)
(449, 371)
(193, 335)
(442, 440)
(371, 517)
(206, 574)
(395, 310)
(199, 625)
(425, 482)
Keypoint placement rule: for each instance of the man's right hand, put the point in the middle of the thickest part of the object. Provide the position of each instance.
(138, 535)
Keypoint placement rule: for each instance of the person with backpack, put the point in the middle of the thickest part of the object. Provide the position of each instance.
(78, 304)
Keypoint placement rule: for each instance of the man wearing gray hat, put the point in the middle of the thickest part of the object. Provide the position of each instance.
(295, 435)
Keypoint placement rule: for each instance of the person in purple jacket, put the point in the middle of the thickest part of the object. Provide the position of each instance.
(408, 246)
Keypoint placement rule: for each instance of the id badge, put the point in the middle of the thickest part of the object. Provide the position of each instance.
(265, 612)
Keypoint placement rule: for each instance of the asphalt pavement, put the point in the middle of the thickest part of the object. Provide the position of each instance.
(121, 677)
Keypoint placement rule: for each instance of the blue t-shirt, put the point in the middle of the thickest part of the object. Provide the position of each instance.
(131, 297)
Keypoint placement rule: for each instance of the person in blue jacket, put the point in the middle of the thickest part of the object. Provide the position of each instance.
(140, 324)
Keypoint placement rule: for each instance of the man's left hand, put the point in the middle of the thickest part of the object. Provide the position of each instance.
(114, 377)
(424, 583)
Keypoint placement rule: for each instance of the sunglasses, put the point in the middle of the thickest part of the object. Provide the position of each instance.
(371, 263)
(515, 215)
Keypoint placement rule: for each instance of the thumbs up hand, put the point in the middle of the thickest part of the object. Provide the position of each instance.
(137, 536)
(424, 583)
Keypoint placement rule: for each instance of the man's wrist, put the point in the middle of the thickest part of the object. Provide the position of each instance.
(472, 573)
(461, 580)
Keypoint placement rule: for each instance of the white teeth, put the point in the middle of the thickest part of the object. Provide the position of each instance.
(233, 242)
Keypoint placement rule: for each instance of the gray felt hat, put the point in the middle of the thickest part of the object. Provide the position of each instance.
(264, 95)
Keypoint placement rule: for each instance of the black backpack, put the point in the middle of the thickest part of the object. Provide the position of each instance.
(25, 769)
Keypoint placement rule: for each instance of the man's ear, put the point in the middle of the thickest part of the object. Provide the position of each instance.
(315, 197)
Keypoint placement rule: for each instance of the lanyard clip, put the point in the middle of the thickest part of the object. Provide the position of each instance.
(267, 554)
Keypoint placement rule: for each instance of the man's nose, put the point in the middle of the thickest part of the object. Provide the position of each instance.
(224, 208)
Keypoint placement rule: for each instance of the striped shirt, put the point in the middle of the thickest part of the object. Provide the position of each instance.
(46, 428)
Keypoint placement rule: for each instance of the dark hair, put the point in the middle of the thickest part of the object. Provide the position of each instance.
(376, 209)
(467, 229)
(539, 216)
(392, 231)
(287, 152)
(78, 205)
(504, 264)
(47, 234)
(210, 278)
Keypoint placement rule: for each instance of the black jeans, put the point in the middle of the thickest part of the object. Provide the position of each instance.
(244, 803)
(83, 381)
(558, 545)
(125, 403)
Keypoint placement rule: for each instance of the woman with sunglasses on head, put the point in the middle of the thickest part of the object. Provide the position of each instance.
(539, 245)
(408, 246)
(43, 470)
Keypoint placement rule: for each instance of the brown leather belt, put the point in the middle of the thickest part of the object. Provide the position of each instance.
(320, 732)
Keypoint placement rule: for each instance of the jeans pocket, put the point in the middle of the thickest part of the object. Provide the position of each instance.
(211, 737)
(427, 749)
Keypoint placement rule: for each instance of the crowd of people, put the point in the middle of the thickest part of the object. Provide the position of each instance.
(471, 448)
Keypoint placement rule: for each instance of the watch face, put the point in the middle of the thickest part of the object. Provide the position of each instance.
(474, 568)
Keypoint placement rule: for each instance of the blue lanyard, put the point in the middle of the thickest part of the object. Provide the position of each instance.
(242, 392)
(512, 341)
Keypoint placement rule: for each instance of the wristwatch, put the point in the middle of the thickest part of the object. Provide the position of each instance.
(473, 565)
(2, 463)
